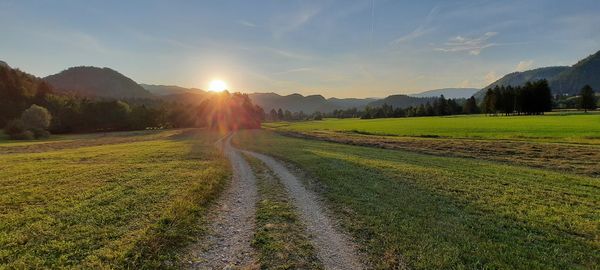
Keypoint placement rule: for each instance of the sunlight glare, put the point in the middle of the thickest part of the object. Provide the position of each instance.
(217, 86)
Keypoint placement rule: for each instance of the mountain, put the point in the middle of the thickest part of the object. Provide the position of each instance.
(4, 64)
(586, 71)
(562, 79)
(164, 90)
(293, 102)
(401, 101)
(448, 93)
(349, 103)
(97, 82)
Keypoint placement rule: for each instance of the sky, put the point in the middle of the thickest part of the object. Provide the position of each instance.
(363, 48)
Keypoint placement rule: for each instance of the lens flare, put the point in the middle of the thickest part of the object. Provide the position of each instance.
(217, 86)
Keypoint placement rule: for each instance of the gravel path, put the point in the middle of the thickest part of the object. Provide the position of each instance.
(232, 221)
(335, 249)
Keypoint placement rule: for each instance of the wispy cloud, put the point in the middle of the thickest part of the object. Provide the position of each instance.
(294, 70)
(286, 53)
(290, 22)
(473, 46)
(465, 84)
(524, 65)
(421, 30)
(247, 23)
(491, 77)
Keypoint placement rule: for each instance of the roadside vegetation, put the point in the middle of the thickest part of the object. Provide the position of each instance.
(431, 212)
(281, 239)
(125, 200)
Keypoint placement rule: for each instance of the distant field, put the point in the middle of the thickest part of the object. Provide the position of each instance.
(114, 200)
(431, 212)
(569, 127)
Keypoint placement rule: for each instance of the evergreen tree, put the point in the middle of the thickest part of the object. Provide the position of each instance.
(588, 98)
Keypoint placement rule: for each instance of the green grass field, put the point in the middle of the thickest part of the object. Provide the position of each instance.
(432, 212)
(569, 127)
(122, 200)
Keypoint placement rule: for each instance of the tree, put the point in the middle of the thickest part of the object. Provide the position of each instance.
(287, 115)
(489, 101)
(470, 106)
(280, 114)
(273, 115)
(37, 120)
(588, 98)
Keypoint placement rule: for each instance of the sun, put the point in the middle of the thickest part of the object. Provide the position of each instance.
(217, 86)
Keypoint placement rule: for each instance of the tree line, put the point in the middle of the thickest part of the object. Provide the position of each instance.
(21, 92)
(531, 98)
(534, 98)
(286, 115)
(438, 107)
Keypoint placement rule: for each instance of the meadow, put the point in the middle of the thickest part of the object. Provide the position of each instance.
(424, 211)
(552, 127)
(115, 200)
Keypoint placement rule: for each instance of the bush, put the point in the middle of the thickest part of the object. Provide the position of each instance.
(39, 133)
(25, 135)
(36, 117)
(32, 124)
(16, 130)
(13, 127)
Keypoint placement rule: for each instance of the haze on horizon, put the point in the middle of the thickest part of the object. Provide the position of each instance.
(334, 48)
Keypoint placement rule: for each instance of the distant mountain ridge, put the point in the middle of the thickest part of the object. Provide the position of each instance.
(164, 90)
(448, 93)
(97, 82)
(561, 79)
(293, 102)
(306, 104)
(402, 101)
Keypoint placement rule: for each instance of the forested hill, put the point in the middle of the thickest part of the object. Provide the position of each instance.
(293, 102)
(448, 93)
(561, 79)
(97, 82)
(18, 90)
(307, 104)
(401, 101)
(166, 90)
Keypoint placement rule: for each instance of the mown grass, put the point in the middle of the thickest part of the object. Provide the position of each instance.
(121, 205)
(437, 212)
(572, 128)
(280, 239)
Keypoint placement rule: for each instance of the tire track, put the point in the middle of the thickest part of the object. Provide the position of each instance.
(334, 249)
(232, 221)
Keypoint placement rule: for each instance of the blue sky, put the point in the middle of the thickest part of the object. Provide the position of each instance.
(343, 48)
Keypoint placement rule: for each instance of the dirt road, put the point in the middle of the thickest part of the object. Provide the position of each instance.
(233, 221)
(335, 249)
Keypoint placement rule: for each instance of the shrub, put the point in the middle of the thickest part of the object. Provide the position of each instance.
(36, 117)
(39, 133)
(32, 124)
(16, 130)
(13, 127)
(25, 135)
